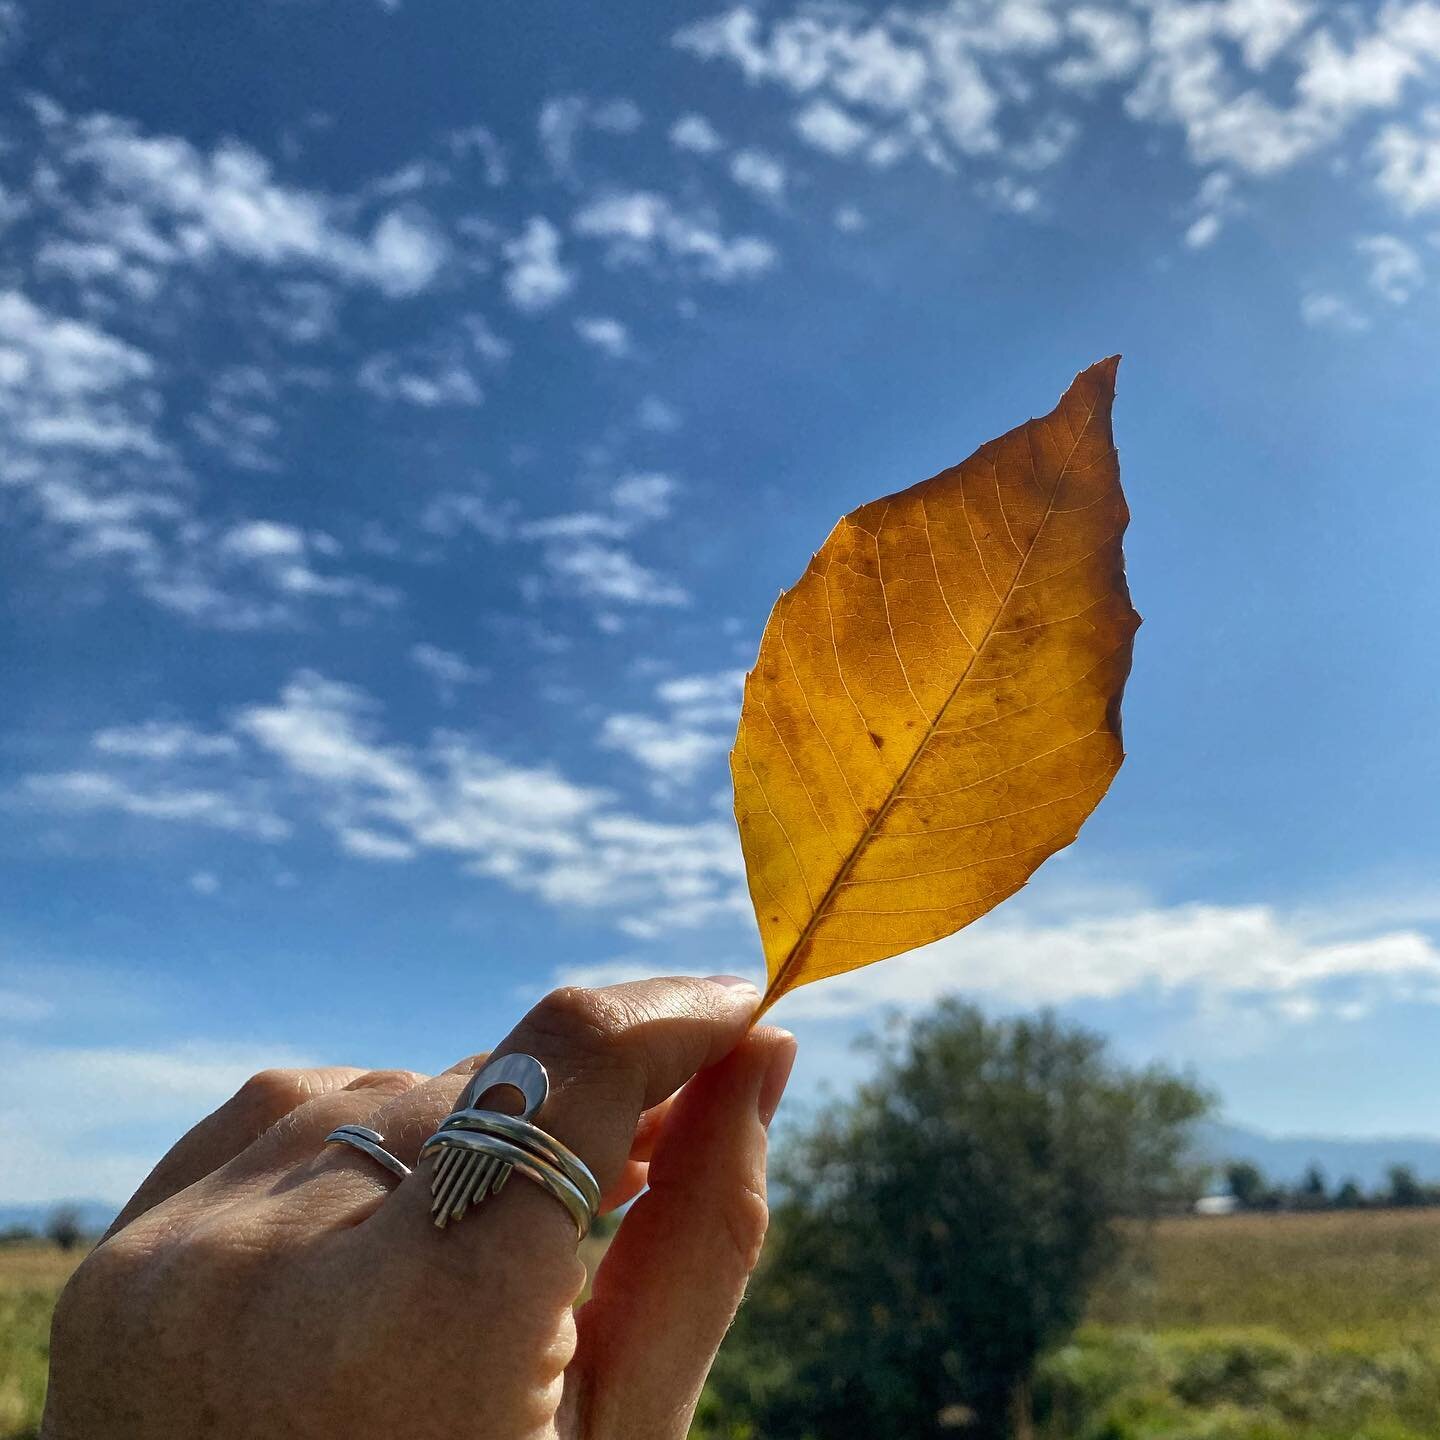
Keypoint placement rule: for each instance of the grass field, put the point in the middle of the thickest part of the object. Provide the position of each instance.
(30, 1278)
(1327, 1276)
(1266, 1327)
(1261, 1327)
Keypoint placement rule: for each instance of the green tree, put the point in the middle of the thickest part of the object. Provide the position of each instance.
(1404, 1189)
(63, 1227)
(1348, 1196)
(1312, 1193)
(937, 1234)
(1247, 1184)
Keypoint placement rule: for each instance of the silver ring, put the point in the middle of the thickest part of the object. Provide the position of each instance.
(477, 1148)
(491, 1160)
(368, 1142)
(533, 1139)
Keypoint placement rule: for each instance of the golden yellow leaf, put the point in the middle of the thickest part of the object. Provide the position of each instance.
(936, 705)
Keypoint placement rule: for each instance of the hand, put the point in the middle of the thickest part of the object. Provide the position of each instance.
(262, 1284)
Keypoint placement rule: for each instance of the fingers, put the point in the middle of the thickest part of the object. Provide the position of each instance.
(634, 1176)
(672, 1279)
(611, 1054)
(262, 1101)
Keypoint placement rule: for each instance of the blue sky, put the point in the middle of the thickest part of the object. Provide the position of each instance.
(412, 410)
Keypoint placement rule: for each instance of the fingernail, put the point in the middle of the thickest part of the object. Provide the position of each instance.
(733, 982)
(777, 1076)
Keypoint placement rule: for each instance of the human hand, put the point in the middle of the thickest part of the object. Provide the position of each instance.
(262, 1284)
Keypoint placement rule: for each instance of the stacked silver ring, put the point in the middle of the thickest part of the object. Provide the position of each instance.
(478, 1149)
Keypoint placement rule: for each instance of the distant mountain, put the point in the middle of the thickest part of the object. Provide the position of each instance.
(95, 1215)
(1285, 1158)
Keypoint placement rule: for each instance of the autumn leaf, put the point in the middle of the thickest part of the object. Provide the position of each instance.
(935, 708)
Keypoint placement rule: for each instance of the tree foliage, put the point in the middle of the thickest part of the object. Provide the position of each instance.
(940, 1232)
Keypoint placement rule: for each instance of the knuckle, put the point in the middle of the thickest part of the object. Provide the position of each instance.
(582, 1020)
(745, 1217)
(389, 1082)
(273, 1093)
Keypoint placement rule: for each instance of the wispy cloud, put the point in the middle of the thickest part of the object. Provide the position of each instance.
(681, 744)
(1253, 88)
(696, 134)
(565, 118)
(91, 790)
(162, 202)
(317, 756)
(536, 278)
(161, 1092)
(640, 227)
(606, 334)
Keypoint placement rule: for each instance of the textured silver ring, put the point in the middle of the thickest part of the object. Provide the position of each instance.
(530, 1138)
(476, 1148)
(368, 1142)
(490, 1160)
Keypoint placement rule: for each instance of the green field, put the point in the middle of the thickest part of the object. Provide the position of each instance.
(30, 1278)
(1267, 1327)
(1261, 1327)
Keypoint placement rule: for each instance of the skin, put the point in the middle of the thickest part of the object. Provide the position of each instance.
(261, 1283)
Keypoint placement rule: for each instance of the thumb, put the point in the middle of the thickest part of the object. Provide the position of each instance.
(675, 1274)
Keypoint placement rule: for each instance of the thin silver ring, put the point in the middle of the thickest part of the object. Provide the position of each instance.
(368, 1142)
(528, 1137)
(541, 1171)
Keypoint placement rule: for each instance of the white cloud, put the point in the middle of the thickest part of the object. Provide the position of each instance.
(159, 1093)
(759, 172)
(605, 333)
(722, 688)
(563, 118)
(454, 512)
(674, 752)
(264, 540)
(366, 844)
(526, 826)
(1203, 950)
(424, 378)
(536, 278)
(64, 384)
(1112, 47)
(447, 668)
(164, 201)
(827, 127)
(477, 141)
(578, 525)
(696, 134)
(79, 791)
(1395, 268)
(1408, 165)
(237, 420)
(205, 882)
(644, 495)
(1327, 311)
(658, 415)
(1254, 86)
(162, 740)
(1202, 232)
(698, 726)
(641, 227)
(256, 574)
(608, 573)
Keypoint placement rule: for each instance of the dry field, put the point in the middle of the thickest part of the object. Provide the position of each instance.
(1372, 1274)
